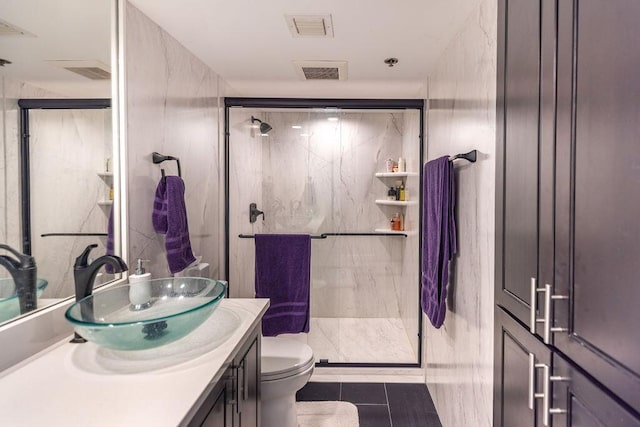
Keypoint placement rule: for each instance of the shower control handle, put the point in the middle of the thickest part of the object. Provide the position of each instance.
(254, 213)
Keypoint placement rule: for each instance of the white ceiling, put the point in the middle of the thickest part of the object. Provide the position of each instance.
(60, 30)
(248, 42)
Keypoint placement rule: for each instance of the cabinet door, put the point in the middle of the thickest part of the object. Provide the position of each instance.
(522, 364)
(524, 244)
(219, 415)
(579, 402)
(248, 368)
(598, 191)
(216, 410)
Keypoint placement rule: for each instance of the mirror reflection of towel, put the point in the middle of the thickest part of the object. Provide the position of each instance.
(283, 273)
(438, 236)
(110, 247)
(170, 218)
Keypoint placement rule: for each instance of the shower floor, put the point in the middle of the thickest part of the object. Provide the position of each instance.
(360, 340)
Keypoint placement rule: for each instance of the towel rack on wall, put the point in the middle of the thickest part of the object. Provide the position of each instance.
(159, 158)
(73, 234)
(325, 235)
(470, 156)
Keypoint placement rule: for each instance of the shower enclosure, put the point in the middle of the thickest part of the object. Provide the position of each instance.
(320, 169)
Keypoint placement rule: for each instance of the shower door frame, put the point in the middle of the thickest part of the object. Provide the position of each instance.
(341, 104)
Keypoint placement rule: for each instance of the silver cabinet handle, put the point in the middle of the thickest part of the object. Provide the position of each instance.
(546, 395)
(548, 298)
(532, 384)
(557, 378)
(532, 380)
(533, 320)
(534, 308)
(546, 319)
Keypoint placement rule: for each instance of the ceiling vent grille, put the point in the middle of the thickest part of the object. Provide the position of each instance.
(321, 70)
(93, 70)
(7, 29)
(310, 25)
(93, 73)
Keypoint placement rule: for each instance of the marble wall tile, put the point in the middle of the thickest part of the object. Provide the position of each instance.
(68, 149)
(12, 91)
(462, 91)
(173, 108)
(245, 187)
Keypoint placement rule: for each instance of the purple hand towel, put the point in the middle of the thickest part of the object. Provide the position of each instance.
(439, 236)
(283, 270)
(110, 248)
(170, 217)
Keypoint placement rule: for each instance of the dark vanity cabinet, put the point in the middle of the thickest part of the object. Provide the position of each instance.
(234, 400)
(568, 213)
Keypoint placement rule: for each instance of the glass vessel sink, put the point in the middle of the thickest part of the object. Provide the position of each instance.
(176, 307)
(9, 304)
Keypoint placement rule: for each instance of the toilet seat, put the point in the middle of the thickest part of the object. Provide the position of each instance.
(283, 358)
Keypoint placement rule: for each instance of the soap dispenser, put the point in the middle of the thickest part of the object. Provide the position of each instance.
(140, 288)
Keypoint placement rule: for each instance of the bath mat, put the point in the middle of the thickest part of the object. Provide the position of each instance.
(327, 414)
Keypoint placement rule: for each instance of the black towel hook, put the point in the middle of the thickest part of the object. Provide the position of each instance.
(159, 158)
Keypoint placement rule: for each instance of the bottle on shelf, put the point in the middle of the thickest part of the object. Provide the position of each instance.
(403, 194)
(402, 164)
(391, 194)
(398, 184)
(396, 222)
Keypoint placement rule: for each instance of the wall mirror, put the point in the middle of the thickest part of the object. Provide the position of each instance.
(59, 163)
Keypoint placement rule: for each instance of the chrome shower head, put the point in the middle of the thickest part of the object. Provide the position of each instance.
(264, 126)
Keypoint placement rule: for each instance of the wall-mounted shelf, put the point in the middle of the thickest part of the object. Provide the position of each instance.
(105, 202)
(105, 174)
(395, 174)
(396, 202)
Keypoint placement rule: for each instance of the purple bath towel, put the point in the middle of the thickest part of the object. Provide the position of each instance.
(283, 270)
(170, 217)
(439, 236)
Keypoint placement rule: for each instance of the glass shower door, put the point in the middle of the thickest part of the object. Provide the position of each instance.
(319, 172)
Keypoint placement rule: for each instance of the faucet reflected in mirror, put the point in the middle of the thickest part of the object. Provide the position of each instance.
(84, 274)
(23, 271)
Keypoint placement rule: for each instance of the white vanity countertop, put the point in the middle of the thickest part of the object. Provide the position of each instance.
(86, 385)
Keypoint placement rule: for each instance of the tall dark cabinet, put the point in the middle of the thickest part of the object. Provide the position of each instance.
(567, 343)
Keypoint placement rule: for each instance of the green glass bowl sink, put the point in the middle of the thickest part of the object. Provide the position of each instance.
(176, 306)
(9, 304)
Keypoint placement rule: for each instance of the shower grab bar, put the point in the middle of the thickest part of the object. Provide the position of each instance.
(325, 235)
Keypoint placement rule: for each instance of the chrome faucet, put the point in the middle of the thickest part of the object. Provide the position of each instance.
(24, 273)
(84, 274)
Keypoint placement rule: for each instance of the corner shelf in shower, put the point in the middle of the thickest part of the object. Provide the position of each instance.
(395, 174)
(105, 202)
(105, 175)
(396, 202)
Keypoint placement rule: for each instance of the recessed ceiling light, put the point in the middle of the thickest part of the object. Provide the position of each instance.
(264, 134)
(333, 119)
(296, 127)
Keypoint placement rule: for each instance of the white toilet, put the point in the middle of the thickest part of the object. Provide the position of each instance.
(286, 366)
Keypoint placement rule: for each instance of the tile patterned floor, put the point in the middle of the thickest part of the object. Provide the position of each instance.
(379, 404)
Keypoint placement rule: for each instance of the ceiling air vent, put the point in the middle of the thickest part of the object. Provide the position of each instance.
(321, 70)
(7, 29)
(93, 70)
(310, 25)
